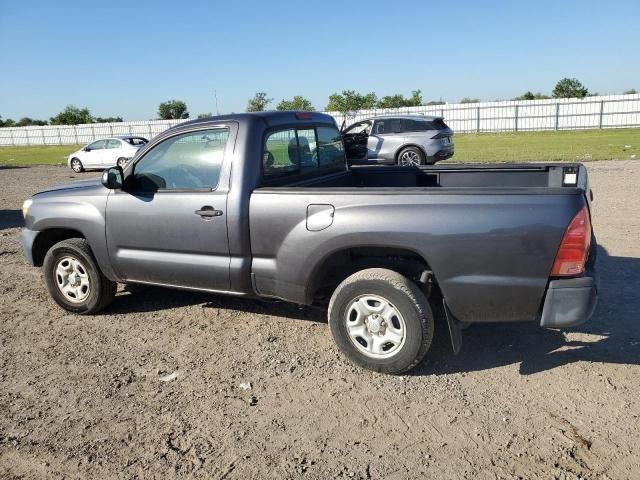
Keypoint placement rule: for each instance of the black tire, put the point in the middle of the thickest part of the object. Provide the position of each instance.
(101, 290)
(122, 162)
(76, 165)
(414, 153)
(405, 297)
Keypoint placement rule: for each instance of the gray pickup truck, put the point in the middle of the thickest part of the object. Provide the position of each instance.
(264, 205)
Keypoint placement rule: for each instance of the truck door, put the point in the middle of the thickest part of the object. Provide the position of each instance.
(168, 225)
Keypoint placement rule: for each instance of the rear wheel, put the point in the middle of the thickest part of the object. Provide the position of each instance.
(76, 165)
(74, 279)
(411, 157)
(122, 162)
(381, 321)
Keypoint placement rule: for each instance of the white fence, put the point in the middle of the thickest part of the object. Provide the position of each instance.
(612, 111)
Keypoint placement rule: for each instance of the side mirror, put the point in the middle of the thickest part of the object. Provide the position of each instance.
(112, 178)
(86, 149)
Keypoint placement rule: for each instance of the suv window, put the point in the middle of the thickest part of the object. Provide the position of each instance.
(299, 151)
(387, 125)
(423, 125)
(191, 161)
(113, 143)
(99, 145)
(358, 128)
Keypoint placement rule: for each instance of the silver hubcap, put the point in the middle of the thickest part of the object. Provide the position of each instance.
(72, 279)
(375, 326)
(75, 165)
(122, 163)
(410, 158)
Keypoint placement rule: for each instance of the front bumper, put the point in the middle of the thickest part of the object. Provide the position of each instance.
(569, 302)
(27, 237)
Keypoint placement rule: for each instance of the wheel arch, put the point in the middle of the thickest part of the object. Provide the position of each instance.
(47, 239)
(339, 264)
(406, 145)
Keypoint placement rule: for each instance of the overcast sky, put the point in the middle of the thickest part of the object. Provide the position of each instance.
(125, 57)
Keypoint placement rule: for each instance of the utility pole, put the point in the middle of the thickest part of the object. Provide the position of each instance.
(215, 94)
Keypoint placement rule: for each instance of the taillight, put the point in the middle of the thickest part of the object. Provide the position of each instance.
(574, 248)
(440, 135)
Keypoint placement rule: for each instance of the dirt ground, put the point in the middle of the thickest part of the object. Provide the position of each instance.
(89, 397)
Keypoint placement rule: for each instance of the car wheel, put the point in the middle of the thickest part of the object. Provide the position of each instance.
(411, 157)
(122, 162)
(76, 165)
(381, 321)
(74, 279)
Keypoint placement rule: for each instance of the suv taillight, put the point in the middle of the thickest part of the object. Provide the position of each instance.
(574, 248)
(440, 135)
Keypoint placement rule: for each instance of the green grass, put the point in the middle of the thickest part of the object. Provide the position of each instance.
(41, 155)
(572, 145)
(576, 145)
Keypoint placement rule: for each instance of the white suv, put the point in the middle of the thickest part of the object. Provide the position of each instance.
(105, 153)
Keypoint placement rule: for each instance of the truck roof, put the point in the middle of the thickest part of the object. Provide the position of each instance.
(404, 117)
(270, 119)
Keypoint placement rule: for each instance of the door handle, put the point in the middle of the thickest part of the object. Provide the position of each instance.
(208, 212)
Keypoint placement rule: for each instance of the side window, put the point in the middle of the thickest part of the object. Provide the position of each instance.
(381, 127)
(417, 125)
(99, 145)
(358, 128)
(135, 141)
(395, 126)
(113, 144)
(330, 149)
(184, 162)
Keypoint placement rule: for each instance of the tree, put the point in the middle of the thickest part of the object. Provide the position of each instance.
(72, 115)
(296, 103)
(435, 102)
(173, 110)
(259, 102)
(470, 100)
(529, 95)
(398, 100)
(570, 88)
(631, 91)
(108, 119)
(350, 100)
(26, 121)
(205, 115)
(6, 123)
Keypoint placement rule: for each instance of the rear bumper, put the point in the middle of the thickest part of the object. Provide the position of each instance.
(569, 302)
(442, 154)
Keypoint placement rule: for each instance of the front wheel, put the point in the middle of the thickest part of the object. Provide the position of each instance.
(381, 321)
(74, 279)
(411, 157)
(122, 162)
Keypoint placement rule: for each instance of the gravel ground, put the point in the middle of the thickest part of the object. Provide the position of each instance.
(154, 386)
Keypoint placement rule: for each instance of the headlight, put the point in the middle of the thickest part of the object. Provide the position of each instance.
(25, 206)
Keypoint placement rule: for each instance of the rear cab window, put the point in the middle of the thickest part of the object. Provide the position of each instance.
(302, 152)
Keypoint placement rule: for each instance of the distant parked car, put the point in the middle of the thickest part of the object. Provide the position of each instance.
(105, 153)
(408, 140)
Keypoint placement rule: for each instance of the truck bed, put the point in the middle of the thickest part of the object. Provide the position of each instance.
(452, 176)
(489, 234)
